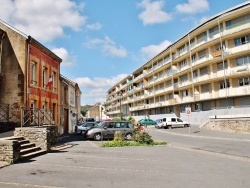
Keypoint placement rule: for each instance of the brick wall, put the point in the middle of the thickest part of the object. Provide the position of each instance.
(9, 150)
(44, 137)
(234, 126)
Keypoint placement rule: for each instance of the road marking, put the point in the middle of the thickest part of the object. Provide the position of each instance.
(27, 185)
(98, 168)
(229, 156)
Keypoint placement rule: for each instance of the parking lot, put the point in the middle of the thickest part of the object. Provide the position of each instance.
(83, 163)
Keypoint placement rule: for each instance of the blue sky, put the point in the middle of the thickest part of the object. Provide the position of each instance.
(103, 41)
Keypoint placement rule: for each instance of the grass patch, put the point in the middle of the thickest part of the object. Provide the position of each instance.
(139, 139)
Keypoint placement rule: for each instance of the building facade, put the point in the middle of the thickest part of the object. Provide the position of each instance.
(98, 112)
(29, 75)
(70, 104)
(207, 68)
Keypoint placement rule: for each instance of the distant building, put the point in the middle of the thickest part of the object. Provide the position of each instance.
(98, 112)
(70, 104)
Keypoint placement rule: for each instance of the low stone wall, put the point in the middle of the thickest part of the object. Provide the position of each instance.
(9, 150)
(234, 126)
(44, 137)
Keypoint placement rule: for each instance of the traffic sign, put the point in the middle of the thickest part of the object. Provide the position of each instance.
(188, 111)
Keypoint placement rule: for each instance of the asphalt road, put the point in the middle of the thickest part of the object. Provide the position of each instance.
(195, 159)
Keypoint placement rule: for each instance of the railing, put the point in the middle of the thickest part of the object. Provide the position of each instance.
(36, 117)
(4, 112)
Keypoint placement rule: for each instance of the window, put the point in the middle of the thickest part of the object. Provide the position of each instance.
(33, 76)
(195, 73)
(203, 71)
(183, 63)
(202, 54)
(185, 93)
(192, 43)
(244, 81)
(170, 96)
(220, 66)
(184, 78)
(202, 37)
(224, 84)
(181, 49)
(243, 60)
(44, 77)
(193, 58)
(238, 21)
(213, 31)
(168, 71)
(242, 40)
(205, 88)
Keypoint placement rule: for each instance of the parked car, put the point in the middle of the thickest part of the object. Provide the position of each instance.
(169, 122)
(147, 122)
(159, 124)
(90, 120)
(82, 128)
(107, 130)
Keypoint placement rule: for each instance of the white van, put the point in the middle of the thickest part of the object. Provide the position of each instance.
(169, 122)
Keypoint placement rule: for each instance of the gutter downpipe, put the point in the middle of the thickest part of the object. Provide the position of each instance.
(27, 75)
(191, 66)
(223, 59)
(1, 49)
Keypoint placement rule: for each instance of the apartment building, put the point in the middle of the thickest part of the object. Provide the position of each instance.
(207, 68)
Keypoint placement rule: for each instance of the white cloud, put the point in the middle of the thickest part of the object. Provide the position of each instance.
(152, 50)
(64, 55)
(95, 90)
(44, 20)
(193, 6)
(153, 12)
(94, 26)
(107, 46)
(99, 82)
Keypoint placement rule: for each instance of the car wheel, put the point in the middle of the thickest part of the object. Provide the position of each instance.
(97, 137)
(82, 133)
(185, 125)
(169, 127)
(128, 136)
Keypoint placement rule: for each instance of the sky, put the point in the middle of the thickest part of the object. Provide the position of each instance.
(100, 42)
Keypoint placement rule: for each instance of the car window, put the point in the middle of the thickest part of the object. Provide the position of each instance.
(164, 119)
(173, 120)
(111, 125)
(179, 120)
(117, 125)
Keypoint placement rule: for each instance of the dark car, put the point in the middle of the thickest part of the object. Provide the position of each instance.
(90, 120)
(82, 128)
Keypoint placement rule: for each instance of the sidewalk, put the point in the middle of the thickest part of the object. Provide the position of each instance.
(196, 131)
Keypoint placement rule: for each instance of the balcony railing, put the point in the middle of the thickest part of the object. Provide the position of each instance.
(4, 112)
(36, 117)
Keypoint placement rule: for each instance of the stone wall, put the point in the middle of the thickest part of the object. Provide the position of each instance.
(9, 150)
(235, 126)
(44, 137)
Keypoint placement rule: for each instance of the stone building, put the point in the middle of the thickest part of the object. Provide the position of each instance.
(98, 112)
(29, 74)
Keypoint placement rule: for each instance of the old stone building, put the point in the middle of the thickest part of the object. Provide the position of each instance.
(29, 75)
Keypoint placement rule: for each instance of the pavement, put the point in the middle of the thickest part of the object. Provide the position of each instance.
(193, 131)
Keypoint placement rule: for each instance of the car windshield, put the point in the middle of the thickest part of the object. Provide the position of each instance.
(98, 125)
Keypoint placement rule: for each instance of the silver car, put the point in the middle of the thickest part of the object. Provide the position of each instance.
(159, 123)
(107, 130)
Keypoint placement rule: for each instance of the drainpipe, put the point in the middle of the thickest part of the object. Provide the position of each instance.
(27, 72)
(1, 49)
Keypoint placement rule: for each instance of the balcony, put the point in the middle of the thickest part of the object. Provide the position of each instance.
(239, 49)
(217, 53)
(236, 28)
